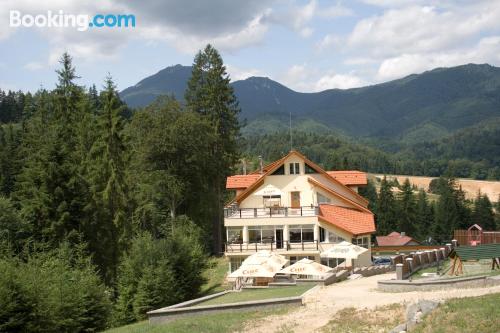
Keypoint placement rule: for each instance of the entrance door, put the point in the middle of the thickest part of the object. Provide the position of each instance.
(295, 199)
(279, 238)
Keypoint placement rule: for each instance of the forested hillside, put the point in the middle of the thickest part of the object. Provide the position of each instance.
(104, 214)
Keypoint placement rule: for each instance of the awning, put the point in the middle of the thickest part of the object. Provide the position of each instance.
(307, 267)
(344, 250)
(269, 190)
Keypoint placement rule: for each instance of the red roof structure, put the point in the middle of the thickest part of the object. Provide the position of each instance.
(349, 177)
(351, 220)
(395, 239)
(241, 181)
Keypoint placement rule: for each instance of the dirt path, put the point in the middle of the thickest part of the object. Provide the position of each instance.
(323, 302)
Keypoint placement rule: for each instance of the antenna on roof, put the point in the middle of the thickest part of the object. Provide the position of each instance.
(291, 141)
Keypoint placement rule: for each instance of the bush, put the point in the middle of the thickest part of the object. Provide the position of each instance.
(159, 272)
(54, 291)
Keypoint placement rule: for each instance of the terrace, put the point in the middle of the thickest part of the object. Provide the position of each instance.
(270, 212)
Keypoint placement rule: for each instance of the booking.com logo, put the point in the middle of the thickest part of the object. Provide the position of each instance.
(81, 22)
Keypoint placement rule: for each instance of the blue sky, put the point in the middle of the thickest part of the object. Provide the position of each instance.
(309, 45)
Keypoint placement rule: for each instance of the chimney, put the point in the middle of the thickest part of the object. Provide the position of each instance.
(261, 165)
(403, 233)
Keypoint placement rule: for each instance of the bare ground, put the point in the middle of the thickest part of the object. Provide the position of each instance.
(322, 303)
(470, 186)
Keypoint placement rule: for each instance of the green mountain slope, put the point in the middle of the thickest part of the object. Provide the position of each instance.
(424, 106)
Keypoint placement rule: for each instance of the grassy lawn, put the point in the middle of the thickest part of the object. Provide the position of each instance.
(259, 294)
(474, 314)
(215, 274)
(214, 323)
(380, 319)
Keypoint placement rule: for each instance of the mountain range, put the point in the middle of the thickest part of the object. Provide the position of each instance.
(431, 105)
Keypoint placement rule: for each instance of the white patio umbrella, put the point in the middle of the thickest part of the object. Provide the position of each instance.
(269, 190)
(307, 267)
(344, 250)
(254, 271)
(266, 257)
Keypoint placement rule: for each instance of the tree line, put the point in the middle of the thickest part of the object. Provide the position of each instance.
(107, 214)
(431, 220)
(469, 153)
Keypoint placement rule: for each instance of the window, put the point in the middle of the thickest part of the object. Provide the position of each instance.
(301, 233)
(279, 171)
(322, 199)
(272, 201)
(261, 234)
(363, 241)
(235, 235)
(321, 234)
(267, 234)
(332, 262)
(334, 238)
(294, 168)
(308, 170)
(254, 234)
(235, 263)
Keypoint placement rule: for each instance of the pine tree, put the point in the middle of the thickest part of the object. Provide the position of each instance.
(386, 209)
(407, 209)
(109, 229)
(210, 94)
(370, 193)
(447, 215)
(424, 217)
(483, 214)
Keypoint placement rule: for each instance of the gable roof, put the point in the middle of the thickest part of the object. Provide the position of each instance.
(241, 181)
(338, 195)
(275, 165)
(349, 177)
(351, 220)
(394, 239)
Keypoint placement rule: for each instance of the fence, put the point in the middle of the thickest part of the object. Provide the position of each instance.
(406, 265)
(476, 237)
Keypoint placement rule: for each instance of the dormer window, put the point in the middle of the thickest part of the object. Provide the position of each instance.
(294, 168)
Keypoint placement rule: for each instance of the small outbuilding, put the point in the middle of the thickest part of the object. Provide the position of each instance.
(396, 239)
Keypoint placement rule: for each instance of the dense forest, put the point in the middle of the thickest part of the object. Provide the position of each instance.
(106, 214)
(470, 153)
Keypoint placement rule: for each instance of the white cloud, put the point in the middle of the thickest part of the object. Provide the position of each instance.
(340, 81)
(487, 50)
(335, 11)
(237, 73)
(418, 29)
(33, 66)
(329, 41)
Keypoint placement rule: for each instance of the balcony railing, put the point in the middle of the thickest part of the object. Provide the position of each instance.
(273, 246)
(252, 213)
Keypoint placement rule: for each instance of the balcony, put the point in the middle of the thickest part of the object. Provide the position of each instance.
(283, 246)
(252, 213)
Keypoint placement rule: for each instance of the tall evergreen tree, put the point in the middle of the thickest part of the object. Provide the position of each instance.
(407, 209)
(370, 193)
(109, 229)
(424, 216)
(386, 209)
(210, 94)
(482, 213)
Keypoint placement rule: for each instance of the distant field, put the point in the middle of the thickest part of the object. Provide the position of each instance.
(470, 186)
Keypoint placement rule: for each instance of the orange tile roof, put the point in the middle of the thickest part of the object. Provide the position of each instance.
(394, 239)
(241, 181)
(349, 177)
(351, 220)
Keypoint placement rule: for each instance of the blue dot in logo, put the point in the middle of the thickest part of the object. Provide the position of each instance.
(91, 24)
